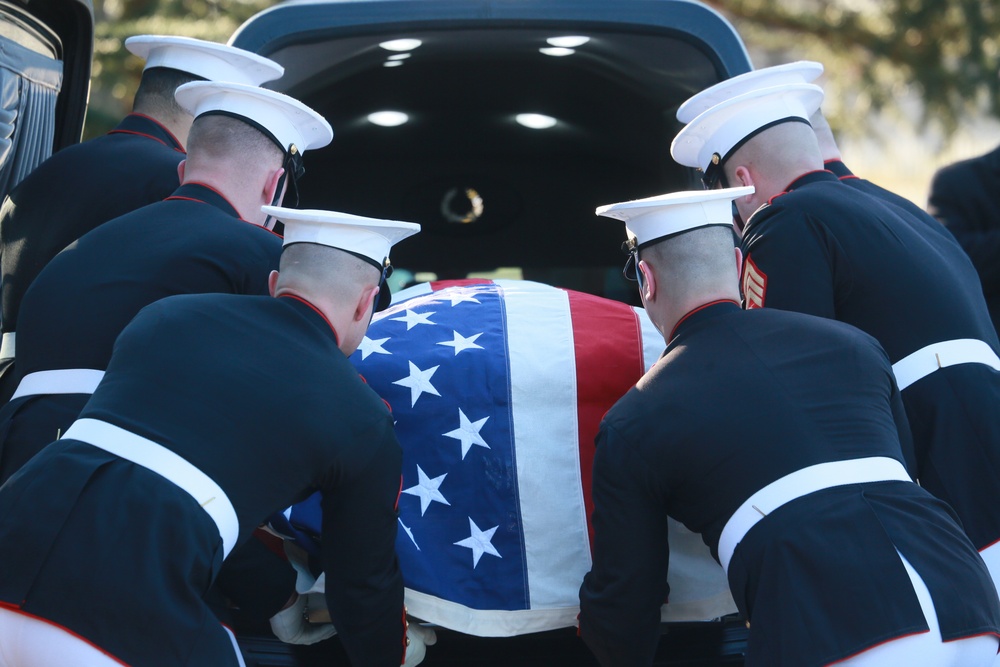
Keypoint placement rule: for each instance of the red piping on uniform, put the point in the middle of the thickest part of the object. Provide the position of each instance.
(179, 148)
(886, 641)
(17, 610)
(842, 178)
(318, 312)
(701, 307)
(207, 187)
(226, 199)
(788, 188)
(993, 543)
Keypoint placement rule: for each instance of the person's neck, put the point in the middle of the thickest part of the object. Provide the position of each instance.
(678, 310)
(247, 205)
(179, 127)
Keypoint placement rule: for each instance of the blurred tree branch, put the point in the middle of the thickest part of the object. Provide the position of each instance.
(945, 53)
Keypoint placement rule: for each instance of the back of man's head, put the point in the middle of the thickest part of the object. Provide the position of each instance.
(216, 139)
(776, 157)
(700, 262)
(325, 273)
(155, 95)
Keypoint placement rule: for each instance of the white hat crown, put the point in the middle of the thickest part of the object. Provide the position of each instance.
(656, 218)
(209, 60)
(371, 238)
(713, 134)
(800, 71)
(295, 126)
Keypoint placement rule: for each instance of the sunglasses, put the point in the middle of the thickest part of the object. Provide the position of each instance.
(631, 270)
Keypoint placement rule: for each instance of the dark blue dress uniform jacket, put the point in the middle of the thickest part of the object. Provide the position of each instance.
(739, 400)
(192, 242)
(826, 249)
(76, 190)
(255, 393)
(965, 197)
(848, 177)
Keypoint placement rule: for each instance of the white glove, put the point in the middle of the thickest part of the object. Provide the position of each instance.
(420, 638)
(291, 626)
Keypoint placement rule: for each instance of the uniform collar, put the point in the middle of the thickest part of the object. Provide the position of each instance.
(205, 194)
(817, 176)
(144, 126)
(839, 169)
(304, 306)
(700, 314)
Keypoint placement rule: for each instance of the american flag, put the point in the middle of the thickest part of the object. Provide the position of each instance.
(497, 389)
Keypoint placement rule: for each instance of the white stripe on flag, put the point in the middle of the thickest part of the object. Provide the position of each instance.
(540, 335)
(652, 340)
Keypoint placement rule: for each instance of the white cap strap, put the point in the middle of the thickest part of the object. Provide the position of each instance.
(800, 483)
(168, 464)
(928, 359)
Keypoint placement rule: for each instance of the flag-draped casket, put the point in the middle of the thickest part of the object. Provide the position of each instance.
(497, 389)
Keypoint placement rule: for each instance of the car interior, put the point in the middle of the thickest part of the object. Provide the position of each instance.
(500, 140)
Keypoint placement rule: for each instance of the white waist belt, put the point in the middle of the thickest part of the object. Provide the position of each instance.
(62, 381)
(165, 463)
(7, 346)
(928, 359)
(800, 483)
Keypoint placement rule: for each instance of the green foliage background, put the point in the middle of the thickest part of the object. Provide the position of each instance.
(116, 72)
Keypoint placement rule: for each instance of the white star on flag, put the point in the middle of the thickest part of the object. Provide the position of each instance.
(427, 490)
(419, 382)
(369, 346)
(409, 533)
(412, 319)
(462, 343)
(480, 542)
(459, 296)
(468, 432)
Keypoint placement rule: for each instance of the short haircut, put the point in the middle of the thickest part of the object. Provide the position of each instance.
(326, 269)
(155, 95)
(225, 137)
(695, 259)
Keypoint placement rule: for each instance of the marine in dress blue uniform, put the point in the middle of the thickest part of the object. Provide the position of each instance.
(800, 71)
(134, 164)
(194, 241)
(740, 405)
(911, 210)
(816, 249)
(253, 404)
(965, 198)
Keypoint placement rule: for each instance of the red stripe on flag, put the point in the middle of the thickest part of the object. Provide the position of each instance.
(458, 282)
(608, 341)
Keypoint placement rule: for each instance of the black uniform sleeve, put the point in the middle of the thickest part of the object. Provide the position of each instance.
(364, 587)
(621, 596)
(792, 257)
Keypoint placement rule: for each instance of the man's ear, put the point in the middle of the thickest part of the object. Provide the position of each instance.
(739, 261)
(180, 170)
(744, 176)
(272, 282)
(271, 185)
(365, 304)
(648, 281)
